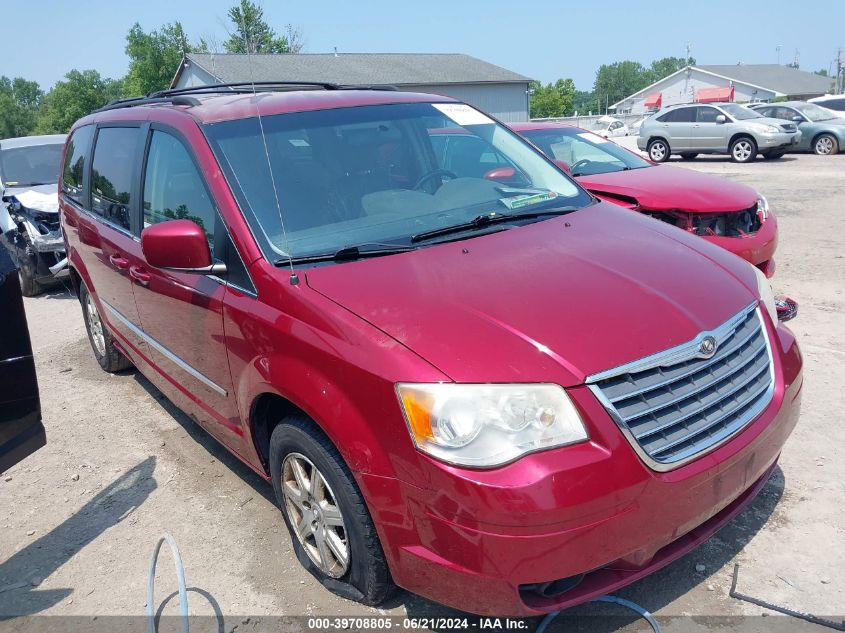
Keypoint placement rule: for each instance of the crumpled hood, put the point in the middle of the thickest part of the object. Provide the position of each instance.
(552, 301)
(665, 188)
(44, 198)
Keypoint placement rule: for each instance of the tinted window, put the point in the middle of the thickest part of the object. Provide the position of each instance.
(111, 174)
(173, 188)
(765, 111)
(834, 104)
(707, 115)
(678, 115)
(74, 167)
(31, 166)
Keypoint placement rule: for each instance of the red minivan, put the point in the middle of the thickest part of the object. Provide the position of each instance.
(490, 389)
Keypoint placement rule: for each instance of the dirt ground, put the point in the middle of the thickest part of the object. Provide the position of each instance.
(122, 466)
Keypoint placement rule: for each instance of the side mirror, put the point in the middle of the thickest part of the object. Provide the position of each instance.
(563, 165)
(501, 174)
(179, 245)
(721, 118)
(798, 119)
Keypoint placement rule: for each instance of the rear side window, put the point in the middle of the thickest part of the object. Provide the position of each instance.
(765, 111)
(111, 174)
(75, 157)
(679, 115)
(834, 104)
(173, 188)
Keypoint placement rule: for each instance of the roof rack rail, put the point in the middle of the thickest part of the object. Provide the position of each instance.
(137, 101)
(243, 86)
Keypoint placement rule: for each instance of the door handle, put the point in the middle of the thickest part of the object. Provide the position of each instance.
(119, 262)
(140, 275)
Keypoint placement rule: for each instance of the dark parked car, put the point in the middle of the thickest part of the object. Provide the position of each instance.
(21, 430)
(491, 389)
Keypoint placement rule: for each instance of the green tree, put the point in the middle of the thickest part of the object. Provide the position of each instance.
(154, 57)
(19, 102)
(251, 32)
(552, 100)
(618, 80)
(80, 93)
(661, 68)
(822, 72)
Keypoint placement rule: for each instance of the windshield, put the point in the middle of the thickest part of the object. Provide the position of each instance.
(30, 166)
(815, 113)
(740, 113)
(380, 174)
(585, 152)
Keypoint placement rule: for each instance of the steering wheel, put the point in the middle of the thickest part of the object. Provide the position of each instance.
(433, 174)
(581, 163)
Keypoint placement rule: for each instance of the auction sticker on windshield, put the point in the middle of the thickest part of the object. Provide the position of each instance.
(462, 114)
(517, 202)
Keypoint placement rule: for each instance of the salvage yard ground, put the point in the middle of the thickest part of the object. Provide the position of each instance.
(122, 465)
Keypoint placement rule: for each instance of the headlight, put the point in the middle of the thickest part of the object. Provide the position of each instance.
(765, 129)
(762, 207)
(767, 297)
(488, 425)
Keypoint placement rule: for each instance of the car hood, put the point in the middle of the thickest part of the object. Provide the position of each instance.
(44, 198)
(665, 188)
(552, 301)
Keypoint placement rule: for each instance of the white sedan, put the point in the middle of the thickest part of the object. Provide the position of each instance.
(608, 127)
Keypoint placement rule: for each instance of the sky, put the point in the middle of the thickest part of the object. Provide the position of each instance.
(544, 39)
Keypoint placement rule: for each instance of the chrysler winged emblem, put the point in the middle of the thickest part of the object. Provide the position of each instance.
(707, 347)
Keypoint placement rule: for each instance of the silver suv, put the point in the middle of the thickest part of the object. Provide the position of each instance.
(725, 128)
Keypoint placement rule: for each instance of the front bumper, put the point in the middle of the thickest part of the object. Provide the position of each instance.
(471, 539)
(757, 248)
(777, 140)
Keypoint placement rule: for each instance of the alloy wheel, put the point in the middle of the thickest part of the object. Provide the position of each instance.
(742, 151)
(95, 326)
(824, 145)
(312, 510)
(657, 152)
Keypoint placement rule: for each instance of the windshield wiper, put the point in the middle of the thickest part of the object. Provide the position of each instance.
(482, 221)
(348, 253)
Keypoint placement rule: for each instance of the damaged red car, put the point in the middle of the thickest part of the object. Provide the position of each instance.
(729, 214)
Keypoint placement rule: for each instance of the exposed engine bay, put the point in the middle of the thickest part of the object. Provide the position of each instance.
(727, 224)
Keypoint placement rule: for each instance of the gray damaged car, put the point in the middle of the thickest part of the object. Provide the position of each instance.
(29, 214)
(723, 128)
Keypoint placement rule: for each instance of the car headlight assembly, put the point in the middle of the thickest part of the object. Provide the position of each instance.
(762, 207)
(483, 426)
(767, 297)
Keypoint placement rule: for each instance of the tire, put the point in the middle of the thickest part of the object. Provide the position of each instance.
(26, 274)
(658, 150)
(366, 577)
(689, 155)
(100, 338)
(773, 155)
(825, 145)
(743, 150)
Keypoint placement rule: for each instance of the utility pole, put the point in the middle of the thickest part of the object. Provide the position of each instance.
(777, 48)
(839, 71)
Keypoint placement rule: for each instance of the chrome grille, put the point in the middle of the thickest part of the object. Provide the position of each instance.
(677, 404)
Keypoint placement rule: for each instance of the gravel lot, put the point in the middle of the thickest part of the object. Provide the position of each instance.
(122, 466)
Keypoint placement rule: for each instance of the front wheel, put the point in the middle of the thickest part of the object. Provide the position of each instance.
(332, 532)
(743, 150)
(826, 145)
(27, 274)
(658, 150)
